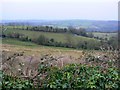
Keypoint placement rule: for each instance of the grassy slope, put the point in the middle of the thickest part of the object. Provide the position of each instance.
(29, 44)
(29, 48)
(36, 51)
(57, 36)
(17, 42)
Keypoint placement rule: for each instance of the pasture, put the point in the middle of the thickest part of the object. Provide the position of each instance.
(60, 37)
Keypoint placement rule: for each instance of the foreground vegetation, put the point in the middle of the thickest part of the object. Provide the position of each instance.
(82, 76)
(71, 76)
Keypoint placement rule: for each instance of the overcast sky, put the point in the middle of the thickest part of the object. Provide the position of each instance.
(58, 9)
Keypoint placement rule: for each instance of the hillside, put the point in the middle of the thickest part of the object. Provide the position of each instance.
(59, 37)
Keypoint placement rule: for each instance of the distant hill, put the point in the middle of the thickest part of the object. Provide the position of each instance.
(90, 25)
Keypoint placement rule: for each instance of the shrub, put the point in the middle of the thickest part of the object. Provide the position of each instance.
(84, 77)
(42, 40)
(11, 83)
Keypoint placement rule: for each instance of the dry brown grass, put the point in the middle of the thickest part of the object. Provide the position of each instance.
(27, 63)
(65, 56)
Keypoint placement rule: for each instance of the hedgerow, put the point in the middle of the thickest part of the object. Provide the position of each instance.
(84, 77)
(71, 76)
(13, 83)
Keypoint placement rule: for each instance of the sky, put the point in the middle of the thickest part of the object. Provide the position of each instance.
(58, 9)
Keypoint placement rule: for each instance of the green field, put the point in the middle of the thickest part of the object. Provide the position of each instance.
(29, 44)
(17, 42)
(60, 37)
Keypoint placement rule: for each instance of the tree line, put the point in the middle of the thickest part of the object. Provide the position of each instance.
(69, 29)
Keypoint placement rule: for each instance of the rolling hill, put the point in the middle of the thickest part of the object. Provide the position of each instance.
(90, 25)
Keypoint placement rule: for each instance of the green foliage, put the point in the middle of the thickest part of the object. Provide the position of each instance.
(11, 83)
(42, 40)
(1, 79)
(84, 77)
(113, 41)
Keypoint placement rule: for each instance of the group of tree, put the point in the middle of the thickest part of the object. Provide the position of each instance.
(80, 31)
(112, 43)
(18, 36)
